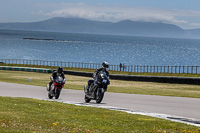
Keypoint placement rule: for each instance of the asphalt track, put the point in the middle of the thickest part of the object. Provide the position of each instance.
(186, 110)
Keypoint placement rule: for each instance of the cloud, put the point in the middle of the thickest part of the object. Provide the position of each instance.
(117, 13)
(195, 24)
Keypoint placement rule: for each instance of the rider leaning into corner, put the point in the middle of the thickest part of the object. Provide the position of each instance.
(59, 72)
(104, 68)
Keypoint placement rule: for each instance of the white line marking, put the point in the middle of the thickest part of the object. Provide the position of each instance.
(156, 115)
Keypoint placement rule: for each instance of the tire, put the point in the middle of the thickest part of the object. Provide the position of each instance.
(50, 96)
(57, 94)
(87, 100)
(99, 95)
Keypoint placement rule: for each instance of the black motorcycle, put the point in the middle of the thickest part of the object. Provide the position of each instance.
(56, 87)
(96, 88)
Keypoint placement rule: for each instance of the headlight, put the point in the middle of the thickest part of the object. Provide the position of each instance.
(104, 81)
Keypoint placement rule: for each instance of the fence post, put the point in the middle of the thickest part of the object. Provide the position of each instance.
(147, 69)
(160, 69)
(131, 68)
(196, 69)
(187, 69)
(175, 69)
(192, 70)
(171, 69)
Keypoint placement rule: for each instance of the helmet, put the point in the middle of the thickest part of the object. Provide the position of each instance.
(105, 65)
(60, 70)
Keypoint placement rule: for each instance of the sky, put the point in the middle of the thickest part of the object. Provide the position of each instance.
(183, 13)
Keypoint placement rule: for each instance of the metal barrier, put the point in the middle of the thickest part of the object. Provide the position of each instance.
(125, 68)
(158, 79)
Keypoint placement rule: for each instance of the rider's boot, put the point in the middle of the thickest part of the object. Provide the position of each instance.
(88, 90)
(50, 83)
(49, 87)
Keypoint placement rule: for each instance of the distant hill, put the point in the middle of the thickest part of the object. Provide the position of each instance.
(125, 27)
(145, 29)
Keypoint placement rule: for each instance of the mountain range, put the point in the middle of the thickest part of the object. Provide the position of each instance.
(125, 27)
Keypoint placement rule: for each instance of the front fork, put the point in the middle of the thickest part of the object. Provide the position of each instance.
(57, 89)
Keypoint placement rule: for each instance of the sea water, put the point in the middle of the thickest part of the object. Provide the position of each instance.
(93, 48)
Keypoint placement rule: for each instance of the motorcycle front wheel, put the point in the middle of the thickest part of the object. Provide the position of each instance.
(57, 93)
(87, 99)
(50, 96)
(99, 95)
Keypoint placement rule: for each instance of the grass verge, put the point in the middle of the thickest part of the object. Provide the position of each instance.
(119, 86)
(29, 115)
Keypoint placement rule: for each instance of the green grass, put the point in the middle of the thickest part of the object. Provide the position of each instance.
(119, 86)
(29, 115)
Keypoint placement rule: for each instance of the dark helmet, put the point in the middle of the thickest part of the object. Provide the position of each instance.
(105, 65)
(60, 70)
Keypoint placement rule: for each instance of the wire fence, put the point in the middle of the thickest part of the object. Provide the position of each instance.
(125, 68)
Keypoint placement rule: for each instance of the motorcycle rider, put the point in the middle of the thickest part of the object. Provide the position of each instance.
(54, 75)
(104, 68)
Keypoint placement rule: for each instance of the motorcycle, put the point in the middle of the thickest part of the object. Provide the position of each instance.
(97, 88)
(56, 87)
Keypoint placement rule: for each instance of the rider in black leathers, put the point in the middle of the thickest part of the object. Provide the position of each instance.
(59, 72)
(105, 66)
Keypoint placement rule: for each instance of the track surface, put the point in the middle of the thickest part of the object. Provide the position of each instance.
(187, 108)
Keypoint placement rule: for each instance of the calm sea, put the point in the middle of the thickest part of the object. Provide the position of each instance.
(91, 48)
